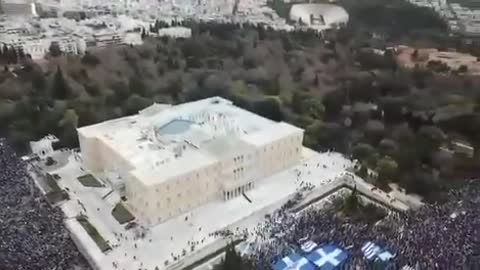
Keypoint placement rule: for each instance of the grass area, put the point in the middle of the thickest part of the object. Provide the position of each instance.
(92, 231)
(55, 193)
(55, 197)
(89, 181)
(210, 256)
(121, 214)
(50, 161)
(51, 181)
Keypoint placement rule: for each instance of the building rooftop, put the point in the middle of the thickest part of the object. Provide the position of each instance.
(166, 141)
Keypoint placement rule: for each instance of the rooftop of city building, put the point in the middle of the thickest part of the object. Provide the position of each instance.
(164, 141)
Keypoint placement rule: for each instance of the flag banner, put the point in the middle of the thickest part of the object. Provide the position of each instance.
(327, 257)
(293, 262)
(308, 246)
(385, 256)
(372, 251)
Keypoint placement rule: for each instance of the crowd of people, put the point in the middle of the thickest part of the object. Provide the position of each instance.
(32, 233)
(445, 236)
(436, 236)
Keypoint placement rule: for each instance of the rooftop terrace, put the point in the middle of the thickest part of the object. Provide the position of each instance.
(163, 141)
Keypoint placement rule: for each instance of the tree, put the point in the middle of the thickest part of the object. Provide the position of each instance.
(61, 89)
(463, 69)
(362, 171)
(387, 169)
(362, 151)
(270, 108)
(90, 59)
(314, 107)
(135, 103)
(68, 133)
(374, 130)
(351, 203)
(232, 260)
(70, 118)
(54, 49)
(21, 54)
(13, 56)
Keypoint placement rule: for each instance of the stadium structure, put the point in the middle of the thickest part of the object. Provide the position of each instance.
(172, 159)
(319, 16)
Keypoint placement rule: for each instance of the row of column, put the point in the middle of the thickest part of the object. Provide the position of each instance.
(238, 191)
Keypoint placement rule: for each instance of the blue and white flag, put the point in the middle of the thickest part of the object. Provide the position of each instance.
(293, 262)
(327, 257)
(308, 246)
(370, 250)
(385, 256)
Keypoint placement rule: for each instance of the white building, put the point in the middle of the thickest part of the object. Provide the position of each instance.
(44, 147)
(319, 16)
(37, 47)
(17, 7)
(175, 158)
(107, 39)
(174, 32)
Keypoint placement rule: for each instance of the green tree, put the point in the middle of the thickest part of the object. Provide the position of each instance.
(387, 169)
(351, 203)
(54, 49)
(363, 171)
(232, 260)
(269, 107)
(362, 151)
(315, 108)
(463, 69)
(61, 89)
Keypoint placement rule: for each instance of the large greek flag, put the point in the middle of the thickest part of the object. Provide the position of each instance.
(293, 262)
(327, 257)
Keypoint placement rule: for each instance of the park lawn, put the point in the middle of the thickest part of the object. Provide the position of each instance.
(121, 214)
(92, 231)
(55, 193)
(89, 181)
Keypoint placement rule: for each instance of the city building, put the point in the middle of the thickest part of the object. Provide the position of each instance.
(38, 47)
(174, 32)
(18, 8)
(172, 159)
(44, 147)
(107, 39)
(319, 16)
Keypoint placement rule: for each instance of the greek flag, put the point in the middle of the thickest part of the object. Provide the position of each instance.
(293, 262)
(327, 257)
(385, 256)
(370, 250)
(308, 246)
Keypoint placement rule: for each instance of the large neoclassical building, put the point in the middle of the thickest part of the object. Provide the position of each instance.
(172, 159)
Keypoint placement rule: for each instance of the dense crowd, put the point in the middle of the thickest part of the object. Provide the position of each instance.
(445, 236)
(32, 233)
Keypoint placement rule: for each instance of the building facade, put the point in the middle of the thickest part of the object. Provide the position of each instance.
(173, 159)
(37, 47)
